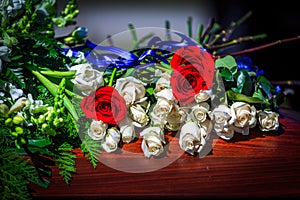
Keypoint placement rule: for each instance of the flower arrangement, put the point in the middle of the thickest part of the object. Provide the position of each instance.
(62, 93)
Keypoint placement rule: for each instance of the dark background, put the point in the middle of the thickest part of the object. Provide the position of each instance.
(278, 19)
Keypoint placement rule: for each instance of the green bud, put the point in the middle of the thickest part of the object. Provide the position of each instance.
(19, 130)
(23, 141)
(56, 122)
(41, 119)
(76, 12)
(17, 145)
(18, 119)
(4, 109)
(58, 111)
(56, 98)
(15, 134)
(44, 126)
(69, 17)
(51, 132)
(9, 122)
(62, 109)
(60, 103)
(56, 105)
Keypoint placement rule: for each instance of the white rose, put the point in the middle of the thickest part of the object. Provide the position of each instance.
(175, 118)
(199, 112)
(161, 110)
(268, 120)
(97, 130)
(203, 95)
(87, 79)
(163, 82)
(139, 115)
(166, 94)
(190, 138)
(111, 140)
(243, 117)
(131, 89)
(153, 140)
(127, 130)
(206, 128)
(221, 116)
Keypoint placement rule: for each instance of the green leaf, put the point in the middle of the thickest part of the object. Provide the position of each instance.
(42, 142)
(265, 85)
(258, 94)
(150, 90)
(227, 62)
(243, 82)
(227, 67)
(226, 74)
(44, 183)
(241, 97)
(129, 72)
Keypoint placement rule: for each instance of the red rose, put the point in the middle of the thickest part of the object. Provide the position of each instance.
(199, 58)
(186, 82)
(105, 104)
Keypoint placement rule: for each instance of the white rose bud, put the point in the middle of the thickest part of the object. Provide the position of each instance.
(268, 120)
(97, 130)
(131, 89)
(111, 140)
(153, 140)
(221, 116)
(87, 79)
(243, 117)
(190, 138)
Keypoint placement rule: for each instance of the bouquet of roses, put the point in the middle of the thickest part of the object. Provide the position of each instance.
(62, 93)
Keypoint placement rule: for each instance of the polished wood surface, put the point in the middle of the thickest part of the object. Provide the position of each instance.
(258, 165)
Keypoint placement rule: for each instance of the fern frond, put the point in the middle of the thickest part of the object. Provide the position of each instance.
(16, 75)
(65, 161)
(12, 177)
(91, 149)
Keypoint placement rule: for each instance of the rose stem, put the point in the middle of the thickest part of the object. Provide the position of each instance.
(200, 30)
(230, 28)
(262, 46)
(133, 34)
(207, 29)
(109, 39)
(189, 23)
(235, 41)
(167, 24)
(112, 77)
(205, 35)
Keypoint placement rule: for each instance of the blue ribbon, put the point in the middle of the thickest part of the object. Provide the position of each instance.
(122, 59)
